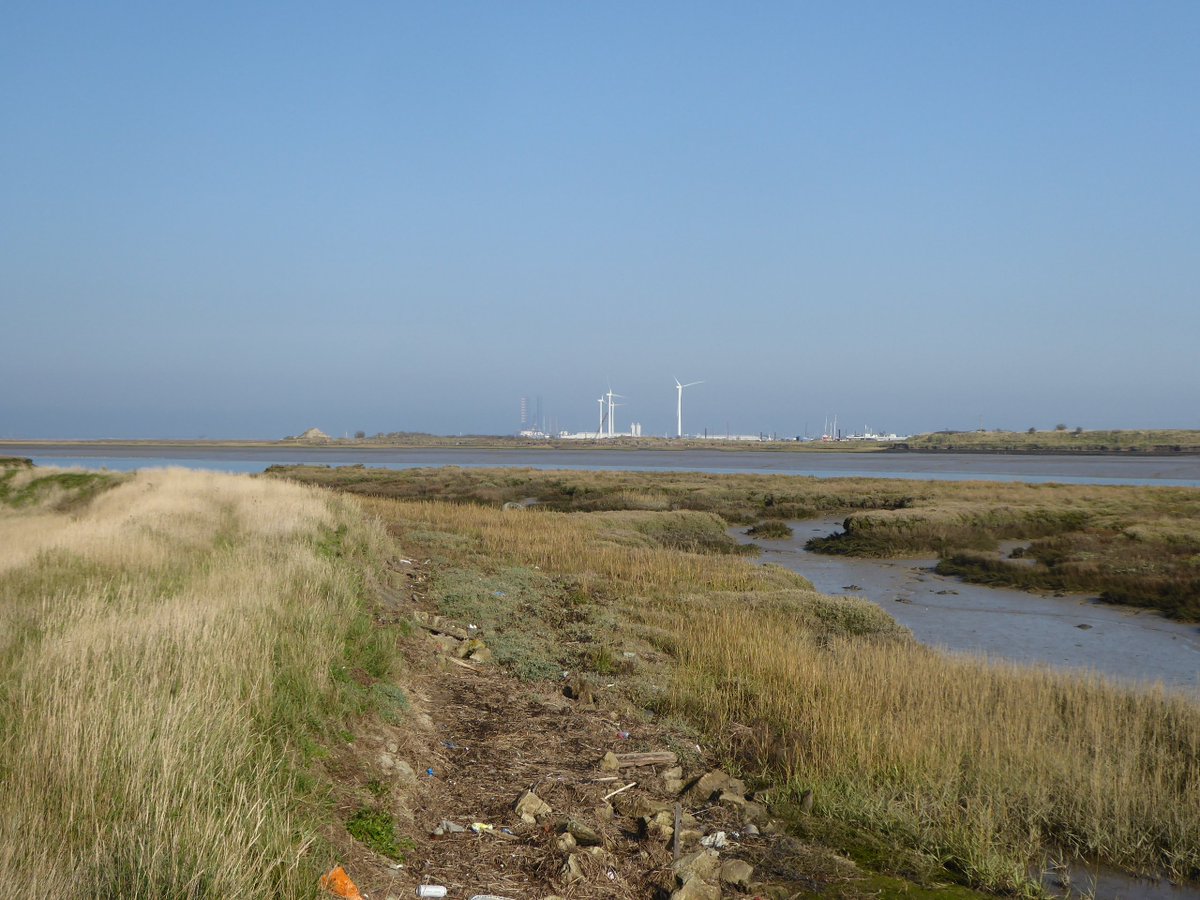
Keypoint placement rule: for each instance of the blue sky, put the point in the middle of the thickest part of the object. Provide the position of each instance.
(231, 221)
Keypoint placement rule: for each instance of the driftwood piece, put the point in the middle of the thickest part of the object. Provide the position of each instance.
(442, 628)
(655, 758)
(675, 833)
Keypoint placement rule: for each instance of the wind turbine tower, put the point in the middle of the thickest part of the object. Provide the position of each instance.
(611, 409)
(679, 405)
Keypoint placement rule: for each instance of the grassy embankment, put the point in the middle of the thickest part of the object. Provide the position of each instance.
(1058, 441)
(173, 657)
(1133, 545)
(943, 765)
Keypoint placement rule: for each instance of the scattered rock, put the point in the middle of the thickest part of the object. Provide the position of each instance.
(702, 865)
(566, 843)
(610, 763)
(737, 872)
(660, 826)
(751, 829)
(580, 690)
(530, 806)
(446, 643)
(470, 647)
(451, 828)
(483, 654)
(732, 799)
(572, 871)
(754, 814)
(584, 835)
(673, 779)
(697, 889)
(713, 784)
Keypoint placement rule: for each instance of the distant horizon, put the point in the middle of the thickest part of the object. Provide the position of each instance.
(713, 435)
(225, 221)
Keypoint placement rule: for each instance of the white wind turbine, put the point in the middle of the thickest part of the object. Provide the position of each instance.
(679, 405)
(612, 409)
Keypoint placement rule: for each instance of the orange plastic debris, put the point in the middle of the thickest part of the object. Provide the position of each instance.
(338, 883)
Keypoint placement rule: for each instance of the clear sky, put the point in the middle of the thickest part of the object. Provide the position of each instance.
(231, 219)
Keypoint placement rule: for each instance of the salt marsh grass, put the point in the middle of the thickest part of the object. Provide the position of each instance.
(980, 767)
(165, 656)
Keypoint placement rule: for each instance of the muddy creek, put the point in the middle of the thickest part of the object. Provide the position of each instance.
(1070, 632)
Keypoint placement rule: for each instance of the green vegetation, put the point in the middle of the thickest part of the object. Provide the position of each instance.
(22, 486)
(949, 768)
(376, 829)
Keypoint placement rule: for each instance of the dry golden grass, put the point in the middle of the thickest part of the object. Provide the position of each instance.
(981, 766)
(606, 548)
(162, 653)
(979, 763)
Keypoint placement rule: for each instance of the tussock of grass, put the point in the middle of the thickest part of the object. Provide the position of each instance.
(166, 654)
(24, 487)
(771, 529)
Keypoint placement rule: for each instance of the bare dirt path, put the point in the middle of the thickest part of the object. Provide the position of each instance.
(477, 740)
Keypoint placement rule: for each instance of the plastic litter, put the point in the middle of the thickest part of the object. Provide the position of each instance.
(498, 594)
(338, 883)
(430, 773)
(431, 890)
(623, 735)
(489, 897)
(717, 840)
(482, 828)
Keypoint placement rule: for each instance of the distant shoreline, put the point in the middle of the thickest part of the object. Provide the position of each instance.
(933, 445)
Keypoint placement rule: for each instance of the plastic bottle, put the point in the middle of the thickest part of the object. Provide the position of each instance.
(431, 890)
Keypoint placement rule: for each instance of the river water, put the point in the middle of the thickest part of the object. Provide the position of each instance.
(1069, 632)
(1149, 470)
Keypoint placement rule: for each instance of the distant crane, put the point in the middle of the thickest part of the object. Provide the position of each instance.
(679, 405)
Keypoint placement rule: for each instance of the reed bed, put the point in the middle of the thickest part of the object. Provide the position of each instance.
(165, 654)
